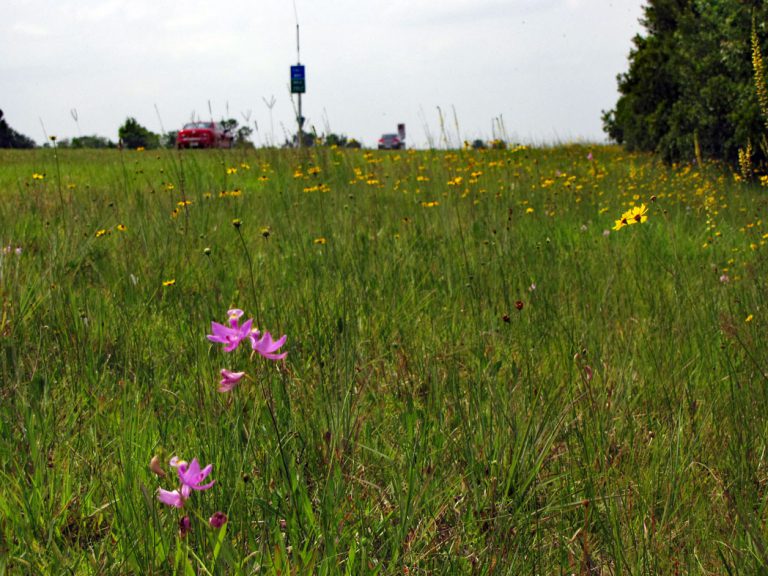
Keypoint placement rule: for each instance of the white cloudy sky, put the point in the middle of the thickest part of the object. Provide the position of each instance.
(547, 67)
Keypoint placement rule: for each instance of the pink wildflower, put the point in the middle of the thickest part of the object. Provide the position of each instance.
(231, 336)
(267, 347)
(171, 498)
(191, 477)
(229, 380)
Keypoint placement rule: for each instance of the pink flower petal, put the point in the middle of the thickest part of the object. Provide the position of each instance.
(170, 498)
(229, 380)
(267, 347)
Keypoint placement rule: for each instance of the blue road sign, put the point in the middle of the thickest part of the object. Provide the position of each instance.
(298, 85)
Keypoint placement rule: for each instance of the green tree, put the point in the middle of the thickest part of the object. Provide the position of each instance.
(9, 138)
(134, 135)
(690, 81)
(243, 137)
(228, 125)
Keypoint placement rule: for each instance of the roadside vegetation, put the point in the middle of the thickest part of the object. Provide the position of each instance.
(498, 361)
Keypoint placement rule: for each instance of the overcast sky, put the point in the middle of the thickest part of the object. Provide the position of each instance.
(546, 67)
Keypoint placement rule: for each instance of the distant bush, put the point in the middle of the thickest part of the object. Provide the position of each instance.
(308, 139)
(340, 140)
(168, 140)
(498, 144)
(243, 137)
(335, 140)
(91, 141)
(134, 135)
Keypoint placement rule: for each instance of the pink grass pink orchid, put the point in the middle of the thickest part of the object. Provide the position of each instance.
(229, 379)
(171, 498)
(191, 477)
(267, 347)
(231, 336)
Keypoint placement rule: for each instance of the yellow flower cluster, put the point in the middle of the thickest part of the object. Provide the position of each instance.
(745, 161)
(759, 70)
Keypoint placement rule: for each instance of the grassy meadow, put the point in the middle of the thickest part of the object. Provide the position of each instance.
(483, 376)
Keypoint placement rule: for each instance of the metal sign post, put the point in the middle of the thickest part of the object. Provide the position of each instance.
(298, 86)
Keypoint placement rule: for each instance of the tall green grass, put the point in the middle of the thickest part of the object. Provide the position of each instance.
(421, 423)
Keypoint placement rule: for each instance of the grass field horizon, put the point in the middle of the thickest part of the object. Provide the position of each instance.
(532, 360)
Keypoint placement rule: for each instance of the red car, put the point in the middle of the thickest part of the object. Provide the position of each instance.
(203, 135)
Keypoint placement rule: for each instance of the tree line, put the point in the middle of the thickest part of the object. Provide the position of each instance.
(132, 135)
(691, 90)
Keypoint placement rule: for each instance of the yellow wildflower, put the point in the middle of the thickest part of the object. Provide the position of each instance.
(638, 214)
